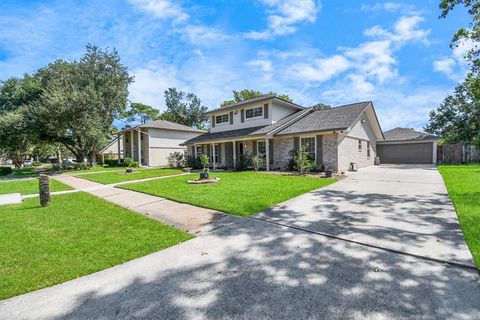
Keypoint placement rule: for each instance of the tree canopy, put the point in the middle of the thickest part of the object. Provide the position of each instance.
(72, 103)
(457, 118)
(139, 112)
(246, 94)
(184, 108)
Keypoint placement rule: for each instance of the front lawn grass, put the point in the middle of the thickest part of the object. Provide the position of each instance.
(114, 177)
(76, 235)
(463, 185)
(29, 186)
(239, 193)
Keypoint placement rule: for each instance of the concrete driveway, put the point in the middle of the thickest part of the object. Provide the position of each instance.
(404, 208)
(253, 269)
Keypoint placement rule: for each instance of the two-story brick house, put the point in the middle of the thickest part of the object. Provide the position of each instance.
(273, 128)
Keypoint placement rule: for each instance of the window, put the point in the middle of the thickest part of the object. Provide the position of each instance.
(223, 118)
(254, 112)
(261, 148)
(359, 145)
(309, 144)
(199, 150)
(368, 149)
(217, 154)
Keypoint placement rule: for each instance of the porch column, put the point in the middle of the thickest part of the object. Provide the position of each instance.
(234, 153)
(131, 145)
(139, 146)
(213, 157)
(118, 149)
(267, 155)
(195, 150)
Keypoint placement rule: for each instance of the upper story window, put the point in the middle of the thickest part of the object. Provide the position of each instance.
(254, 112)
(223, 118)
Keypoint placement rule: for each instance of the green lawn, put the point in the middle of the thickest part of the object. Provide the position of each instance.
(29, 186)
(76, 235)
(239, 193)
(463, 184)
(113, 177)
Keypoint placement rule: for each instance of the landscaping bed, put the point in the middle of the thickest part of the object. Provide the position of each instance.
(120, 176)
(239, 193)
(463, 184)
(76, 235)
(29, 186)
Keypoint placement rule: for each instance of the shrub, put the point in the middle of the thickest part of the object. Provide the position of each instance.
(193, 162)
(36, 163)
(303, 163)
(244, 162)
(257, 162)
(5, 170)
(176, 160)
(113, 163)
(129, 163)
(291, 162)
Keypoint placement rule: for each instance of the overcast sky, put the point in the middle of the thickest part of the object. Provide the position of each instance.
(394, 53)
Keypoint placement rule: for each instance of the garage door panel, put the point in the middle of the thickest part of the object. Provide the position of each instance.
(405, 153)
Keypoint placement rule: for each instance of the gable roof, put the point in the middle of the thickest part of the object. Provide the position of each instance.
(256, 99)
(167, 125)
(407, 134)
(338, 118)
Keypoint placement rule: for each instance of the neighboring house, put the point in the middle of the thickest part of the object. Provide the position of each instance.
(111, 150)
(274, 129)
(403, 145)
(150, 144)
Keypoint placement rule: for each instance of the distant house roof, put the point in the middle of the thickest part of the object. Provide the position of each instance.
(338, 118)
(256, 99)
(167, 125)
(407, 134)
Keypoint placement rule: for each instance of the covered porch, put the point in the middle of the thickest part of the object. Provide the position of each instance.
(226, 154)
(135, 145)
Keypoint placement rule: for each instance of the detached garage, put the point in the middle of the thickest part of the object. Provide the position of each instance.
(407, 146)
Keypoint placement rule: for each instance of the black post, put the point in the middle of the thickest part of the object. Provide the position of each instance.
(44, 190)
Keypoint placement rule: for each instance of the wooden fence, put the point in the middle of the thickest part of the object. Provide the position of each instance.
(457, 153)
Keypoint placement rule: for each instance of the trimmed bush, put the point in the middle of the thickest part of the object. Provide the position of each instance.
(5, 171)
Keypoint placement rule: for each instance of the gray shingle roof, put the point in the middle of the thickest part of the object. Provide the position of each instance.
(163, 124)
(253, 131)
(338, 118)
(403, 134)
(256, 99)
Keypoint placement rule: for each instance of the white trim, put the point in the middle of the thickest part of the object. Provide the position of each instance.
(434, 152)
(267, 154)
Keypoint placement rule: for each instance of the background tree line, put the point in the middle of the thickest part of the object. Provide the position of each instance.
(70, 106)
(457, 118)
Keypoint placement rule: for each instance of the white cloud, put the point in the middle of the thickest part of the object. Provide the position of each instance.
(320, 70)
(200, 34)
(264, 66)
(162, 9)
(405, 30)
(284, 16)
(455, 67)
(388, 6)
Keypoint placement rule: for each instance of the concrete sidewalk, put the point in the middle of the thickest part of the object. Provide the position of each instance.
(181, 216)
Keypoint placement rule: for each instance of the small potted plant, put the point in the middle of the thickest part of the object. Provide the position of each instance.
(204, 161)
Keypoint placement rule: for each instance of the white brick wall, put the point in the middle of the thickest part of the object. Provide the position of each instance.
(348, 152)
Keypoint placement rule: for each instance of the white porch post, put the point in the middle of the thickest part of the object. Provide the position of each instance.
(267, 155)
(213, 157)
(139, 146)
(434, 151)
(131, 145)
(195, 150)
(234, 154)
(118, 149)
